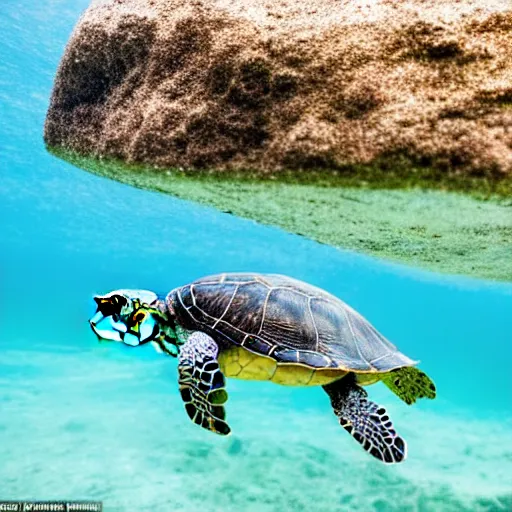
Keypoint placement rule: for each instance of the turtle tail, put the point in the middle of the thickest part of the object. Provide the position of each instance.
(409, 384)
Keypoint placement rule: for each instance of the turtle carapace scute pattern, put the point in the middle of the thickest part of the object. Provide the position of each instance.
(291, 321)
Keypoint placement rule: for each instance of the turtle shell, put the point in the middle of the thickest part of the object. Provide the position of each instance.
(286, 319)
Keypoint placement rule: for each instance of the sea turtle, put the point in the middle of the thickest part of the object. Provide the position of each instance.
(268, 327)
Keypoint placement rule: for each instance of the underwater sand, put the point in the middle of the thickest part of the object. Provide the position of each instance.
(84, 420)
(118, 433)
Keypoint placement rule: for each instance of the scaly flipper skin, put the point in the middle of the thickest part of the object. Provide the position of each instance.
(202, 384)
(409, 384)
(367, 422)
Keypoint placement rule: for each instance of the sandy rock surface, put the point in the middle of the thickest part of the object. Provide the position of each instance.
(276, 84)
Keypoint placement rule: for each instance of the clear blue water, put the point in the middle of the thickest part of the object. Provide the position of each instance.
(84, 420)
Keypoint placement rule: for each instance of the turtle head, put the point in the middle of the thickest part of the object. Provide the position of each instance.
(131, 316)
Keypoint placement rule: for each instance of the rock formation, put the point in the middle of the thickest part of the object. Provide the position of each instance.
(289, 84)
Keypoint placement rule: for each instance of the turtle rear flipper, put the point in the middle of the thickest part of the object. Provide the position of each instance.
(367, 422)
(409, 384)
(202, 384)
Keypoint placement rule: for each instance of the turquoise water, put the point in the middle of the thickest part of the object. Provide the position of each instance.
(93, 421)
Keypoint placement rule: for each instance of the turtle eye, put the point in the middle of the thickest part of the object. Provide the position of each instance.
(119, 301)
(139, 317)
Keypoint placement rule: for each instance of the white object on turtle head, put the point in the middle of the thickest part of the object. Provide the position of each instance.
(123, 315)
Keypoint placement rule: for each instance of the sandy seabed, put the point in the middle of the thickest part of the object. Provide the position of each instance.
(107, 425)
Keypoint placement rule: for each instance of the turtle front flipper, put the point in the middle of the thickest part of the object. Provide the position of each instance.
(367, 422)
(202, 384)
(409, 384)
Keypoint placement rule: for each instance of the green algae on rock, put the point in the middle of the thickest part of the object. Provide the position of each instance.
(443, 230)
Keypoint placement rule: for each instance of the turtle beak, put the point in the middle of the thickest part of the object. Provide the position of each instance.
(97, 318)
(106, 328)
